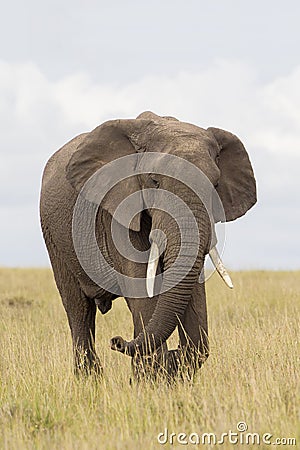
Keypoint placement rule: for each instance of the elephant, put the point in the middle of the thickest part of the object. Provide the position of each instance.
(177, 298)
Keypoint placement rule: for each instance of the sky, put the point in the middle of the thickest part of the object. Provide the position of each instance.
(66, 67)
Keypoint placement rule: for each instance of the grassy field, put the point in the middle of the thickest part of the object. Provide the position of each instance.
(251, 376)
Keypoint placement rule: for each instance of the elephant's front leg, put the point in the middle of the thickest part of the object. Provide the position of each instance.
(82, 324)
(81, 312)
(193, 331)
(145, 367)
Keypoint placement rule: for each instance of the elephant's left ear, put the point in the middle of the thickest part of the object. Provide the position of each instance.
(237, 186)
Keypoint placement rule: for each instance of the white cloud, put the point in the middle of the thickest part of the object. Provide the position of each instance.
(227, 94)
(39, 115)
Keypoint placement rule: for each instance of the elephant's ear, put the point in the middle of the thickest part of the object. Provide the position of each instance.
(237, 186)
(105, 144)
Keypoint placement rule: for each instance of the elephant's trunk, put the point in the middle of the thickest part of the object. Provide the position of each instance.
(175, 295)
(154, 260)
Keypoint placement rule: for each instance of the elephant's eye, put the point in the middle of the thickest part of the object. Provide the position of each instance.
(155, 182)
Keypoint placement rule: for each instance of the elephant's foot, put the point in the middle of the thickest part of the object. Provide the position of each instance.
(149, 367)
(87, 364)
(145, 368)
(171, 366)
(191, 360)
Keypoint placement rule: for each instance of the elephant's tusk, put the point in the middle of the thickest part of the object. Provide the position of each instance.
(217, 262)
(152, 268)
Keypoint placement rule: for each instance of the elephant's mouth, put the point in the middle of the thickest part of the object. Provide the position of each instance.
(154, 260)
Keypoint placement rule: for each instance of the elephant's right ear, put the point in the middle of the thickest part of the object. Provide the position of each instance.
(107, 143)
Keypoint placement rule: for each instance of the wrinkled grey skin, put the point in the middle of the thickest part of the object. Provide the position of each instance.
(224, 160)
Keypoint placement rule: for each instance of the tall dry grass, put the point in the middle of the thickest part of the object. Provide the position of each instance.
(252, 374)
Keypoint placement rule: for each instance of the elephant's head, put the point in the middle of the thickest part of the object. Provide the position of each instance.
(176, 148)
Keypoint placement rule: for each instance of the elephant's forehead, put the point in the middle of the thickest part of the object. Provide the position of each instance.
(173, 163)
(179, 136)
(176, 128)
(190, 146)
(189, 128)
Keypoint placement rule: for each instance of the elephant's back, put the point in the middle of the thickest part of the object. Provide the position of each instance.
(57, 202)
(57, 195)
(55, 167)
